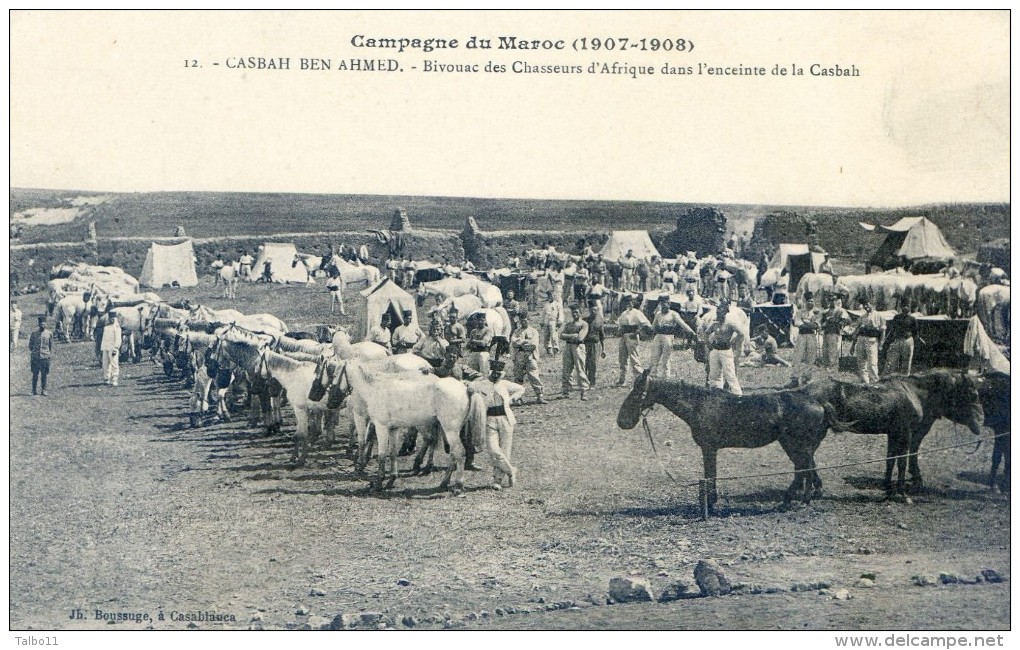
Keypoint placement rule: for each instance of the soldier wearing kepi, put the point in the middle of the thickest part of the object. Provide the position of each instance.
(40, 345)
(900, 342)
(834, 320)
(111, 350)
(805, 353)
(573, 335)
(720, 337)
(666, 323)
(407, 335)
(630, 322)
(498, 394)
(868, 339)
(524, 344)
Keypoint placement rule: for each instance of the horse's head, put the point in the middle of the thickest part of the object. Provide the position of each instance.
(634, 403)
(961, 400)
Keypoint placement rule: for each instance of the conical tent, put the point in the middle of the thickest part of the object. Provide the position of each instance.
(384, 297)
(622, 241)
(281, 258)
(169, 264)
(912, 239)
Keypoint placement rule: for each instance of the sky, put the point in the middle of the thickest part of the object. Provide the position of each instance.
(148, 101)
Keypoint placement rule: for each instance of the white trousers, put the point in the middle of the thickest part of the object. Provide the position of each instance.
(111, 366)
(722, 372)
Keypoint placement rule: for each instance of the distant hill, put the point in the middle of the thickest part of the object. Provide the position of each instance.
(212, 214)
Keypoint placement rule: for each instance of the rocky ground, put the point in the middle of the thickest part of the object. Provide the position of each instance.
(116, 506)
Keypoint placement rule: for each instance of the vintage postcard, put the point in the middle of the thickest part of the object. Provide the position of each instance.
(691, 321)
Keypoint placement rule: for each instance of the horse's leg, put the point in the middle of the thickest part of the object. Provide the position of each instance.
(916, 480)
(800, 467)
(300, 453)
(708, 457)
(890, 463)
(428, 446)
(451, 434)
(388, 451)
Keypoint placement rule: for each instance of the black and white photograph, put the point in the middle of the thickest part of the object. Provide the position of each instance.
(422, 321)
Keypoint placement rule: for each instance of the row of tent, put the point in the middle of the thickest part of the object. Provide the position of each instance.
(173, 264)
(911, 238)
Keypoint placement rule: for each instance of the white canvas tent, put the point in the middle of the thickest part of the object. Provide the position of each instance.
(281, 258)
(910, 238)
(169, 264)
(621, 241)
(382, 297)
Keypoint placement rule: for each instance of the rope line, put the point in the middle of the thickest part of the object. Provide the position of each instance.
(817, 469)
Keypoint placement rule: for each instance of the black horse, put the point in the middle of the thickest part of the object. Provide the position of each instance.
(994, 393)
(721, 420)
(904, 409)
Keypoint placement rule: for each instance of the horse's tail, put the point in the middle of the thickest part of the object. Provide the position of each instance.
(475, 420)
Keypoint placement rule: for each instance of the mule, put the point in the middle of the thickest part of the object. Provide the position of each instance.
(721, 420)
(904, 409)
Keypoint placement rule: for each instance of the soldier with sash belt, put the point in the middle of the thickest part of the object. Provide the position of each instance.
(630, 322)
(666, 323)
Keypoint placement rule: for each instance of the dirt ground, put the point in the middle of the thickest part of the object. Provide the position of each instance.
(117, 506)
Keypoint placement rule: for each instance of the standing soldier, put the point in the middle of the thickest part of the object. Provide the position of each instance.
(574, 333)
(336, 294)
(478, 343)
(720, 337)
(666, 323)
(552, 319)
(834, 319)
(582, 281)
(557, 279)
(594, 343)
(111, 349)
(407, 335)
(15, 324)
(512, 307)
(40, 344)
(498, 394)
(524, 345)
(245, 268)
(381, 333)
(805, 353)
(630, 322)
(456, 333)
(867, 340)
(900, 341)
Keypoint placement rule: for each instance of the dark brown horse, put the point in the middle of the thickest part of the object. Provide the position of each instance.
(721, 420)
(994, 393)
(904, 409)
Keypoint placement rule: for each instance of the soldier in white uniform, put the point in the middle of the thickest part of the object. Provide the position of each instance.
(110, 347)
(629, 322)
(666, 323)
(573, 335)
(552, 319)
(524, 345)
(498, 395)
(868, 339)
(808, 322)
(722, 372)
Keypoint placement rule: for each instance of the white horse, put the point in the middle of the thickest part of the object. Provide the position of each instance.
(365, 350)
(425, 403)
(250, 353)
(464, 305)
(231, 276)
(69, 310)
(354, 273)
(312, 264)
